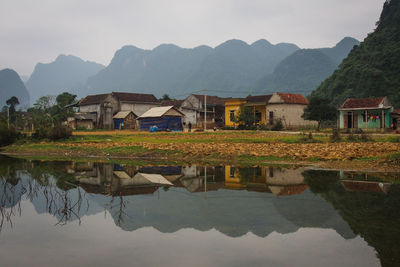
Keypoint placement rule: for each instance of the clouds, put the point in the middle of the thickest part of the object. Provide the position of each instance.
(37, 31)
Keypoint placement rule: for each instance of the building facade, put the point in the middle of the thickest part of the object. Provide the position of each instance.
(366, 113)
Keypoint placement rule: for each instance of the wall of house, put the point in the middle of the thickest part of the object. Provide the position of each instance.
(190, 116)
(138, 108)
(130, 122)
(290, 114)
(262, 110)
(234, 106)
(84, 124)
(372, 124)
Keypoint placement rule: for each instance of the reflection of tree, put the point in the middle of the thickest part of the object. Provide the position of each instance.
(372, 215)
(47, 181)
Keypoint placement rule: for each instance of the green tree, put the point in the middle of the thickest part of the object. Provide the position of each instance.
(246, 117)
(165, 97)
(12, 103)
(319, 109)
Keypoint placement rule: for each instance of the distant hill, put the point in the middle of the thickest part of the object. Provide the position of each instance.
(233, 65)
(12, 85)
(372, 69)
(305, 69)
(66, 73)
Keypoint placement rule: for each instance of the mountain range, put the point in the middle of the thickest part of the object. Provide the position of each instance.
(233, 68)
(371, 69)
(66, 74)
(305, 69)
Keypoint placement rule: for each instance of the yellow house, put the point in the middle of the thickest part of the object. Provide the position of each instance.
(232, 108)
(257, 104)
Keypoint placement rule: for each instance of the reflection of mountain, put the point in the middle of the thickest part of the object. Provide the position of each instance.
(234, 201)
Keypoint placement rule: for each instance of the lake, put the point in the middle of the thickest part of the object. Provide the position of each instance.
(67, 213)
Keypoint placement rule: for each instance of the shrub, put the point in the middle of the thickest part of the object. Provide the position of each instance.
(7, 136)
(52, 133)
(278, 126)
(335, 137)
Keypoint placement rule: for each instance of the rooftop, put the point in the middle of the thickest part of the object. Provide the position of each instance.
(363, 102)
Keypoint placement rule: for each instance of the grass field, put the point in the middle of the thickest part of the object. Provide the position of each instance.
(247, 147)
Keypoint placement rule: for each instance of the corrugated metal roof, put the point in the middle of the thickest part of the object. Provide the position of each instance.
(123, 114)
(158, 112)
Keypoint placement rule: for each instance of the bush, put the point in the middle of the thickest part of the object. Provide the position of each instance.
(278, 126)
(335, 137)
(7, 136)
(52, 133)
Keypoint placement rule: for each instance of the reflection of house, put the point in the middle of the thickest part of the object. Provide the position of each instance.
(365, 113)
(266, 179)
(104, 106)
(214, 110)
(165, 118)
(366, 186)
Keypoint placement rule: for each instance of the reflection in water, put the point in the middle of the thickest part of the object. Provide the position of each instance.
(232, 200)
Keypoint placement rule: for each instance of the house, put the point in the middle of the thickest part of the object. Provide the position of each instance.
(125, 120)
(268, 109)
(82, 121)
(366, 113)
(232, 109)
(190, 113)
(214, 108)
(287, 108)
(165, 118)
(105, 106)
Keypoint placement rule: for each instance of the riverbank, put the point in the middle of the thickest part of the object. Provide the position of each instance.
(367, 153)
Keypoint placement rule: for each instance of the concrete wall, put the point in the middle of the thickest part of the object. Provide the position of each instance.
(290, 114)
(138, 108)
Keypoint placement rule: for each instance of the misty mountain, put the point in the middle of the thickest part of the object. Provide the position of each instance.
(66, 73)
(161, 70)
(372, 69)
(305, 69)
(12, 85)
(233, 65)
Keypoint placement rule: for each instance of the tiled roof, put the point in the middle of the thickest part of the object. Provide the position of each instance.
(293, 98)
(211, 100)
(362, 102)
(124, 97)
(134, 97)
(258, 98)
(92, 99)
(175, 103)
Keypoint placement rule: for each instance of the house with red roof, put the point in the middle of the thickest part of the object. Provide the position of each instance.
(287, 108)
(366, 113)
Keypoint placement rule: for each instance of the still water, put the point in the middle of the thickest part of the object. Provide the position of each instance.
(103, 214)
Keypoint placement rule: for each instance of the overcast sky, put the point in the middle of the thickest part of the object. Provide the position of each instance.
(33, 31)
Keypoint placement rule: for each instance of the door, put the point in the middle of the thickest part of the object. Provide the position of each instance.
(349, 120)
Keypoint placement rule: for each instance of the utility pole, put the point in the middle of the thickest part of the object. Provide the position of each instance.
(205, 109)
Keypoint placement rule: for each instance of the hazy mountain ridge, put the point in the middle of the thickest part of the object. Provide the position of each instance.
(66, 73)
(304, 70)
(12, 85)
(170, 69)
(372, 69)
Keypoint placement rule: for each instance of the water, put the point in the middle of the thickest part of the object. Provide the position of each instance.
(102, 214)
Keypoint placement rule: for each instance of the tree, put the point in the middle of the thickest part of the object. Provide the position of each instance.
(165, 97)
(319, 109)
(246, 117)
(12, 103)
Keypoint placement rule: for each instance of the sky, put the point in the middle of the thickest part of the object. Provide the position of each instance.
(33, 31)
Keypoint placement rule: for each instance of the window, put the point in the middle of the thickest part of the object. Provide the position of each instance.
(257, 116)
(232, 116)
(271, 117)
